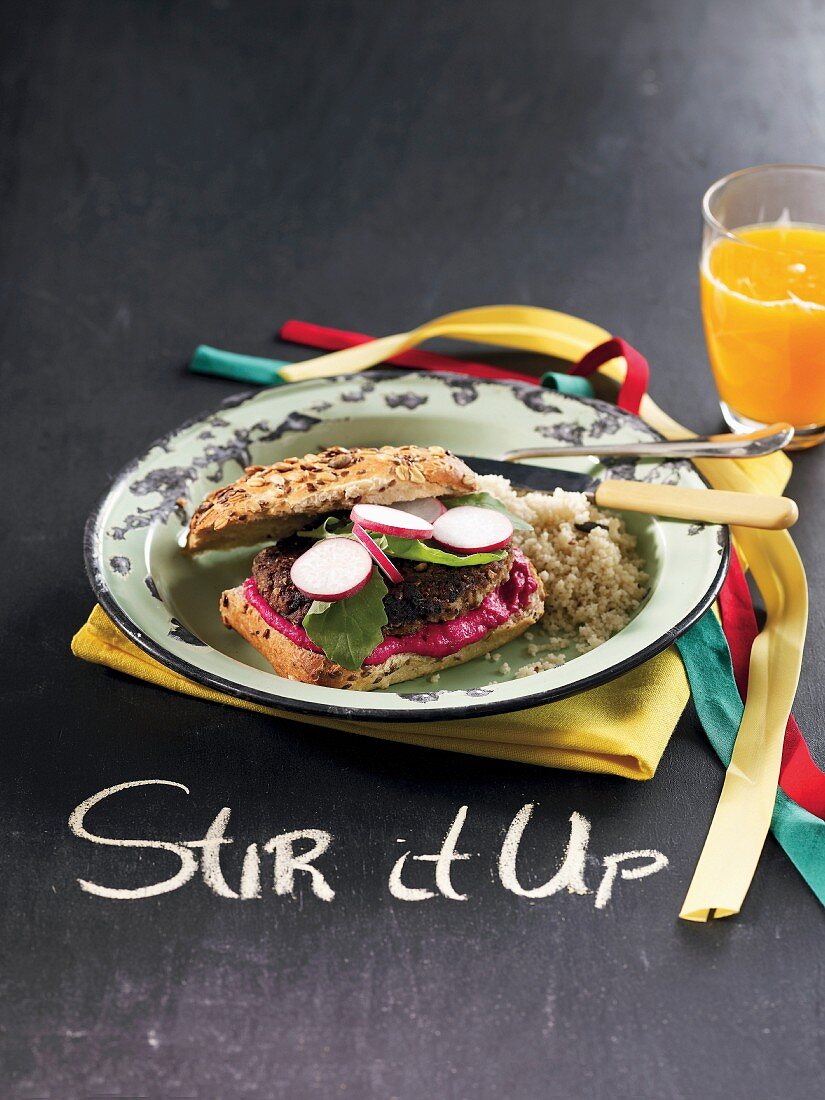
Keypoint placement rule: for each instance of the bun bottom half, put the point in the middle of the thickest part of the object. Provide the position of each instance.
(294, 663)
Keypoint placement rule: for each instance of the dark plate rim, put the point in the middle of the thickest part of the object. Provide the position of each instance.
(177, 664)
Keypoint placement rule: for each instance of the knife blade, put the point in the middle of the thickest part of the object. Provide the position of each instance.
(671, 501)
(542, 479)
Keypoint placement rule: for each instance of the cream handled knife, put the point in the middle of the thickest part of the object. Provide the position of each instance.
(672, 501)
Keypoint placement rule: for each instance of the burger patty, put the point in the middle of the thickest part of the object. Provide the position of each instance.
(428, 594)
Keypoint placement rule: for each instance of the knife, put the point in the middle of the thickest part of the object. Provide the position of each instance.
(672, 501)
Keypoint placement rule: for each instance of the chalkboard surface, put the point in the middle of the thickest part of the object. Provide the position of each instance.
(195, 172)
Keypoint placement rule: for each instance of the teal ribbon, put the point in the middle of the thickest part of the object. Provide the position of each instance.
(240, 368)
(706, 657)
(567, 383)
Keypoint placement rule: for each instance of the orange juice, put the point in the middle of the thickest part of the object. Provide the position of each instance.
(763, 303)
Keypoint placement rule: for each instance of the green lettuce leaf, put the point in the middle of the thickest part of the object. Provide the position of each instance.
(349, 630)
(331, 526)
(486, 500)
(411, 549)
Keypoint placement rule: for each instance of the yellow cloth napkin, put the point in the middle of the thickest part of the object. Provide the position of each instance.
(621, 728)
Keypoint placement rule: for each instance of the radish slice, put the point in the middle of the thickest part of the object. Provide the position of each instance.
(472, 530)
(377, 554)
(391, 521)
(332, 569)
(428, 508)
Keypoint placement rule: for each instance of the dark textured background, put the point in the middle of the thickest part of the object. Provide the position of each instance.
(178, 172)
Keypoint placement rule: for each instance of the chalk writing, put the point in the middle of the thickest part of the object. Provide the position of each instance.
(570, 875)
(443, 861)
(611, 865)
(291, 858)
(188, 863)
(286, 862)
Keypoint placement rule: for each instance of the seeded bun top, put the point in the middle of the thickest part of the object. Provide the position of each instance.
(271, 502)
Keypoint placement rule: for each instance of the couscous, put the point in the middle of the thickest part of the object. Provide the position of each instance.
(593, 577)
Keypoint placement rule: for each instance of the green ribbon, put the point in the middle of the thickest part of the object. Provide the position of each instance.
(567, 383)
(240, 368)
(706, 657)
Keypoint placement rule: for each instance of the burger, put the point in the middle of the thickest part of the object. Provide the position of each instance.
(381, 565)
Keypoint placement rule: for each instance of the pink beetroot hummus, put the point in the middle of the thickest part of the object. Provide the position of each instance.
(434, 639)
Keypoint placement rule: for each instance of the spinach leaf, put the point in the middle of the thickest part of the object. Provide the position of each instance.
(411, 549)
(349, 630)
(331, 526)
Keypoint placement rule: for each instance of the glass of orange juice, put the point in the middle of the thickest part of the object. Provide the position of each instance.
(763, 297)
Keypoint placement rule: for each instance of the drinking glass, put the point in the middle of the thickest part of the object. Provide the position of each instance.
(762, 277)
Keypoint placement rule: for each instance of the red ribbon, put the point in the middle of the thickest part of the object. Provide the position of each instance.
(635, 383)
(334, 339)
(799, 777)
(631, 392)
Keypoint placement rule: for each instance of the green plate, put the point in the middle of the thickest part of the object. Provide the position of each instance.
(168, 603)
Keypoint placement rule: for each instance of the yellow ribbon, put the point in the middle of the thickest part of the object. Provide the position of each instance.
(743, 814)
